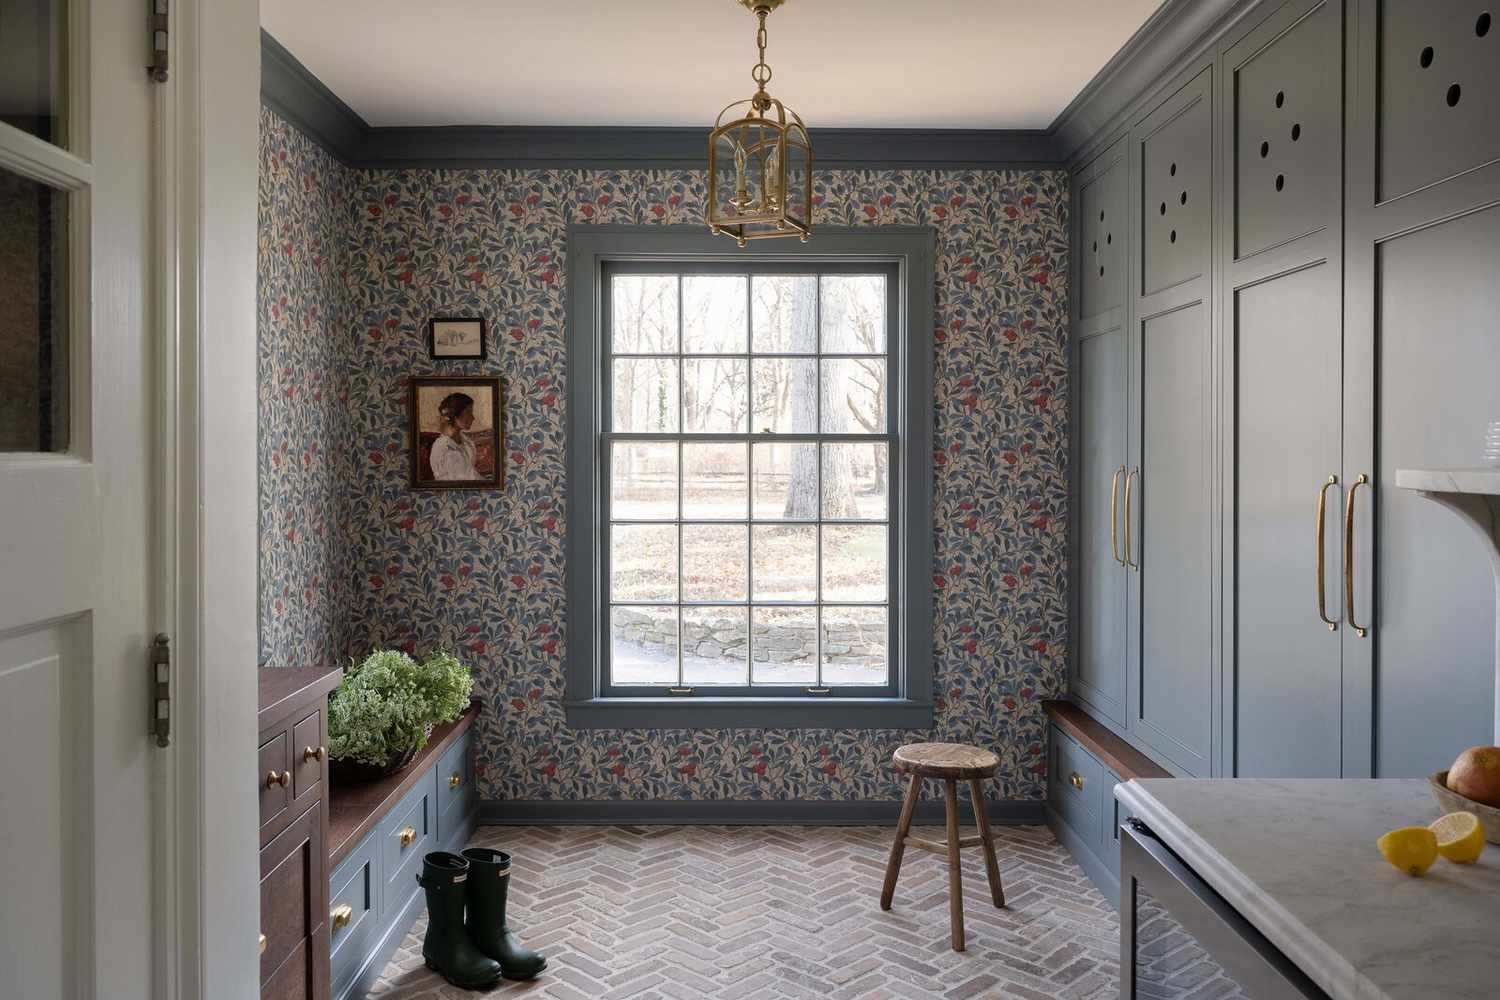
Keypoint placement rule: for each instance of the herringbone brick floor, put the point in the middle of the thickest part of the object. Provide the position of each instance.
(743, 913)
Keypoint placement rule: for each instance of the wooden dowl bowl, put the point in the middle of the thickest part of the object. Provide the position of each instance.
(1450, 801)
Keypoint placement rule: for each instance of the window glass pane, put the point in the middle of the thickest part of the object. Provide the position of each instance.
(643, 481)
(713, 314)
(643, 645)
(853, 314)
(855, 642)
(643, 562)
(786, 481)
(714, 480)
(715, 646)
(715, 396)
(783, 646)
(34, 290)
(854, 396)
(643, 313)
(784, 314)
(785, 396)
(854, 480)
(854, 562)
(32, 68)
(645, 395)
(785, 562)
(715, 560)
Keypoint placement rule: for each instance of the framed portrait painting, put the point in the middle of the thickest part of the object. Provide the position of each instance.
(455, 337)
(457, 433)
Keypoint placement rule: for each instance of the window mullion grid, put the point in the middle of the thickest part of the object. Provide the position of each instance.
(818, 510)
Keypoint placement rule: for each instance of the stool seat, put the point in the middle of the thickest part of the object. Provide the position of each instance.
(945, 760)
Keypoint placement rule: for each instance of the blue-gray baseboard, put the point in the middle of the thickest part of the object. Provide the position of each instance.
(710, 812)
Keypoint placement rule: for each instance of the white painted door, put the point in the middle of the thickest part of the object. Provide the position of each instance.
(77, 426)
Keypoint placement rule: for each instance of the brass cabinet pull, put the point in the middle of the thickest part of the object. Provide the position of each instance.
(263, 944)
(1322, 603)
(1114, 489)
(282, 778)
(455, 779)
(1076, 780)
(342, 916)
(1128, 480)
(313, 753)
(1359, 630)
(408, 834)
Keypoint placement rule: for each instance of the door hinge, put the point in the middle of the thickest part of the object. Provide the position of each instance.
(161, 695)
(159, 26)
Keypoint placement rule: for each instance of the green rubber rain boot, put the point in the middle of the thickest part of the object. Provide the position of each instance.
(489, 880)
(446, 949)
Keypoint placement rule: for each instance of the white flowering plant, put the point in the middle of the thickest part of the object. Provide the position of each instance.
(386, 706)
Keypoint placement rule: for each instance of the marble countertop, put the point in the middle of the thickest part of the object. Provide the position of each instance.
(1298, 859)
(1478, 479)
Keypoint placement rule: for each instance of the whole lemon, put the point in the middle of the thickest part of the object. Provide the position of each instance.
(1412, 849)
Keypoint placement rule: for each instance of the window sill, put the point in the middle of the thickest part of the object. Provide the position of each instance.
(749, 713)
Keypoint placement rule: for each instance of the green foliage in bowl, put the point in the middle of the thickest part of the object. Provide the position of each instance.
(385, 706)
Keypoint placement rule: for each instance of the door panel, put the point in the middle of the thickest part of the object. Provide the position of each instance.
(1176, 164)
(1287, 680)
(1102, 204)
(1438, 384)
(1173, 663)
(1099, 664)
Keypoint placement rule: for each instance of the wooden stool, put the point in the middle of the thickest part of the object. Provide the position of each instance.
(951, 762)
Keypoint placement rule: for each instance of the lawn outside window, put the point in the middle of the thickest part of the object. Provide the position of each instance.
(751, 467)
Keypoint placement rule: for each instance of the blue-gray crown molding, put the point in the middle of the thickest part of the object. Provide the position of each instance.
(1179, 29)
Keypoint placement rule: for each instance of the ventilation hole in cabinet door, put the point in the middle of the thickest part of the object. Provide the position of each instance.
(1280, 98)
(1173, 237)
(1265, 150)
(1163, 209)
(1482, 26)
(1174, 170)
(1109, 238)
(1101, 216)
(1101, 272)
(1426, 58)
(1454, 93)
(1296, 132)
(1183, 199)
(1280, 181)
(1096, 246)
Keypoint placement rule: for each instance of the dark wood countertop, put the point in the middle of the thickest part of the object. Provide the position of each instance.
(353, 810)
(1122, 758)
(284, 688)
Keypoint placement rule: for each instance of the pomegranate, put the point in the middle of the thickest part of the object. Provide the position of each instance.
(1476, 775)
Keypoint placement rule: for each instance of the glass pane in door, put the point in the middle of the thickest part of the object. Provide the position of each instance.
(1170, 964)
(33, 313)
(31, 67)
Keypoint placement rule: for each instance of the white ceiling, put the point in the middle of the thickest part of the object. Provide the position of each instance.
(840, 63)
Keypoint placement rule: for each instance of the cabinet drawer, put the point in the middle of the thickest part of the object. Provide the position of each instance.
(1076, 785)
(405, 835)
(275, 795)
(356, 885)
(307, 769)
(291, 896)
(455, 788)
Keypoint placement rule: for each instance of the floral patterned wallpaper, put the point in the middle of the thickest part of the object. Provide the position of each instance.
(484, 572)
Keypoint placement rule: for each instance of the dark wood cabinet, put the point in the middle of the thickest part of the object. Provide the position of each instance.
(292, 779)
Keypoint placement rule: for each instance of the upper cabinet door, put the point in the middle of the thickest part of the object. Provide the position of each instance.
(1172, 523)
(1102, 209)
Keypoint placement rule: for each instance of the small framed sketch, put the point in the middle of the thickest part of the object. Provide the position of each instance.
(456, 337)
(457, 433)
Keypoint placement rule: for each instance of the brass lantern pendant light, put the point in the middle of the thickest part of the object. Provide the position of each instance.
(760, 160)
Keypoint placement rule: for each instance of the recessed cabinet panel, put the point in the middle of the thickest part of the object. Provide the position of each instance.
(1286, 88)
(1099, 663)
(1438, 80)
(1176, 171)
(1172, 506)
(1101, 254)
(1433, 620)
(1287, 345)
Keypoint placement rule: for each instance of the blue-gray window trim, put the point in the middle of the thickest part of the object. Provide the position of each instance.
(911, 250)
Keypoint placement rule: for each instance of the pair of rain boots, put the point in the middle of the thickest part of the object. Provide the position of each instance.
(468, 942)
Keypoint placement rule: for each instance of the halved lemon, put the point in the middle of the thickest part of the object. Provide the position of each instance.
(1460, 838)
(1412, 849)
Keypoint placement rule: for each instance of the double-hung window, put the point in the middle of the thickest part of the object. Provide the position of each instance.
(747, 503)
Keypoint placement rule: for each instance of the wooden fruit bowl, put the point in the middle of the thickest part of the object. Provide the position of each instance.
(1450, 801)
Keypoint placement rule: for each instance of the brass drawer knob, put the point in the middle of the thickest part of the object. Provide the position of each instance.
(1076, 780)
(342, 916)
(408, 836)
(455, 779)
(282, 778)
(262, 944)
(313, 753)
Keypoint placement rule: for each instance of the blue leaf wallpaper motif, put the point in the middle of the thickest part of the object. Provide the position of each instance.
(483, 573)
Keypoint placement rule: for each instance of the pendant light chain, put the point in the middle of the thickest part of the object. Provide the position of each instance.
(761, 71)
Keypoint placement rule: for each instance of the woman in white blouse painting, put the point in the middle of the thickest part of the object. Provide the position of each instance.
(452, 452)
